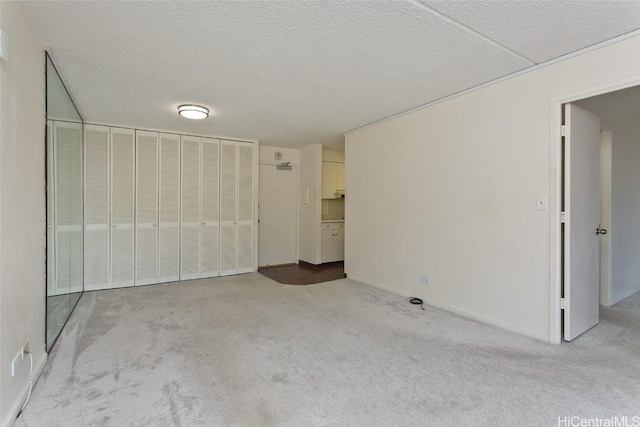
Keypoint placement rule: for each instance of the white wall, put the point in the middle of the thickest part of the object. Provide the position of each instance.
(267, 155)
(311, 215)
(450, 191)
(22, 287)
(625, 210)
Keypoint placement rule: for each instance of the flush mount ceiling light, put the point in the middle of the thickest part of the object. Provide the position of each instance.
(195, 112)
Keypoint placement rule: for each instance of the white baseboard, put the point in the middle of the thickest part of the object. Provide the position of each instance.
(38, 366)
(464, 313)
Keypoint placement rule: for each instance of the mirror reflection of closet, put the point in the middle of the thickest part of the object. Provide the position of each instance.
(64, 204)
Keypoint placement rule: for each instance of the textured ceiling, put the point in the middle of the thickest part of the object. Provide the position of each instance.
(293, 73)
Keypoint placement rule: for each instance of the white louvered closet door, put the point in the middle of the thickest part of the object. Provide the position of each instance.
(169, 209)
(228, 207)
(96, 207)
(122, 207)
(190, 209)
(146, 208)
(51, 262)
(68, 202)
(245, 207)
(210, 235)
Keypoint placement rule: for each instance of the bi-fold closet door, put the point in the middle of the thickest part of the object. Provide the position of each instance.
(109, 207)
(200, 225)
(64, 208)
(146, 208)
(236, 210)
(157, 207)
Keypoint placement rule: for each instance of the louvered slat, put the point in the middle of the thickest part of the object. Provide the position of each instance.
(122, 207)
(169, 209)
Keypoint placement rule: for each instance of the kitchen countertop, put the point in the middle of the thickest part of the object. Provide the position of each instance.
(333, 220)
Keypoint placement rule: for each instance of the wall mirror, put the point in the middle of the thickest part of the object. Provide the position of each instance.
(64, 134)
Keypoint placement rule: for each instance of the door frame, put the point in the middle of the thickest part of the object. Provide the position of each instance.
(556, 191)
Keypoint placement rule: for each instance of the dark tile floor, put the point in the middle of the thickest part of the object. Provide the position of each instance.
(305, 274)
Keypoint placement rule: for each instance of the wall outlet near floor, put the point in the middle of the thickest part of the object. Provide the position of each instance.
(426, 280)
(17, 361)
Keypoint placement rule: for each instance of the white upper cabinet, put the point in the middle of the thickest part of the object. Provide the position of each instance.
(169, 209)
(340, 177)
(329, 180)
(332, 174)
(146, 208)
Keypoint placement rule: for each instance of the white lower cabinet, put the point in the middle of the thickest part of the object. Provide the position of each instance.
(332, 241)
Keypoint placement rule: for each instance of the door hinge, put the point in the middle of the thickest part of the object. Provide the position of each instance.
(563, 303)
(563, 217)
(563, 130)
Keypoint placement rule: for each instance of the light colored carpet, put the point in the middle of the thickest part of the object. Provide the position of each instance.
(247, 351)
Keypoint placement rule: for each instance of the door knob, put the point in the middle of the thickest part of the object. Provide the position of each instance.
(601, 231)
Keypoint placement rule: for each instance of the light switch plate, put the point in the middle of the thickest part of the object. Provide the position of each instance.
(542, 203)
(4, 45)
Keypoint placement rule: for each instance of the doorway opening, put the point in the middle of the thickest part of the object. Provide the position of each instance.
(600, 209)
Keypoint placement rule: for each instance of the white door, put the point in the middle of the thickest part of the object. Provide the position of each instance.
(122, 207)
(277, 213)
(169, 209)
(68, 237)
(190, 209)
(245, 207)
(210, 235)
(146, 208)
(228, 207)
(582, 214)
(96, 207)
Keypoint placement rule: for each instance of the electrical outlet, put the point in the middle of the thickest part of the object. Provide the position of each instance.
(425, 279)
(17, 361)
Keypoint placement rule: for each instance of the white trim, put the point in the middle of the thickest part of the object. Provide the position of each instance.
(17, 405)
(503, 78)
(172, 132)
(555, 261)
(461, 312)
